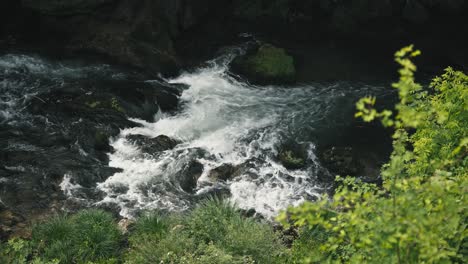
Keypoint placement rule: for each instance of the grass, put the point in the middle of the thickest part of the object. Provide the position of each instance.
(88, 236)
(214, 232)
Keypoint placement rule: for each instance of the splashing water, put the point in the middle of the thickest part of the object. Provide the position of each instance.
(226, 121)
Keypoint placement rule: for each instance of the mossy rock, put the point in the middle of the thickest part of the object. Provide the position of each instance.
(268, 65)
(293, 156)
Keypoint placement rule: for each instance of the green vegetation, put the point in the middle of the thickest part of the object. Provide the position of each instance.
(214, 232)
(290, 160)
(90, 236)
(419, 215)
(114, 103)
(268, 64)
(93, 104)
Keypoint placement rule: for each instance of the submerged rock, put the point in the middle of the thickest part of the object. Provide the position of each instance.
(153, 145)
(267, 65)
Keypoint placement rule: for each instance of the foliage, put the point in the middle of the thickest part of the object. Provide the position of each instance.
(18, 251)
(419, 214)
(15, 251)
(214, 232)
(153, 224)
(88, 236)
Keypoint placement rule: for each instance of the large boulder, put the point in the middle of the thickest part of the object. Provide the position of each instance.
(266, 65)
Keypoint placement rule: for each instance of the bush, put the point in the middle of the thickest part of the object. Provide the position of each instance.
(88, 236)
(419, 215)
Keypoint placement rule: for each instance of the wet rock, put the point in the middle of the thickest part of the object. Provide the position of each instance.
(225, 172)
(125, 225)
(10, 223)
(138, 33)
(101, 141)
(293, 156)
(266, 65)
(342, 161)
(189, 176)
(153, 145)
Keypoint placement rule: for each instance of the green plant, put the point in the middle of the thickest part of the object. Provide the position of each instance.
(220, 223)
(88, 236)
(419, 214)
(291, 161)
(174, 247)
(116, 106)
(15, 251)
(214, 232)
(152, 224)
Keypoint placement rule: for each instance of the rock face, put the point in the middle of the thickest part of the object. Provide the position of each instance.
(148, 33)
(267, 65)
(138, 33)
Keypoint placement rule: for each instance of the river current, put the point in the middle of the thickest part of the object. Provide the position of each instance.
(221, 119)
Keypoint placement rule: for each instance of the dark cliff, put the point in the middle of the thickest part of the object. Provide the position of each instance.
(158, 34)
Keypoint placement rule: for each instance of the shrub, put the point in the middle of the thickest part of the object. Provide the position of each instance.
(419, 215)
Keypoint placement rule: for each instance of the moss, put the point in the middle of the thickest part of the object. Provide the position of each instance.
(269, 64)
(116, 106)
(290, 160)
(93, 104)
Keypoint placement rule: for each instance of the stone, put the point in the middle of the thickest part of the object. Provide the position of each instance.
(189, 175)
(125, 225)
(224, 172)
(267, 65)
(153, 145)
(292, 155)
(341, 161)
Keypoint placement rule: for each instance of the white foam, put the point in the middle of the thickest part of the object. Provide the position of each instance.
(68, 187)
(232, 123)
